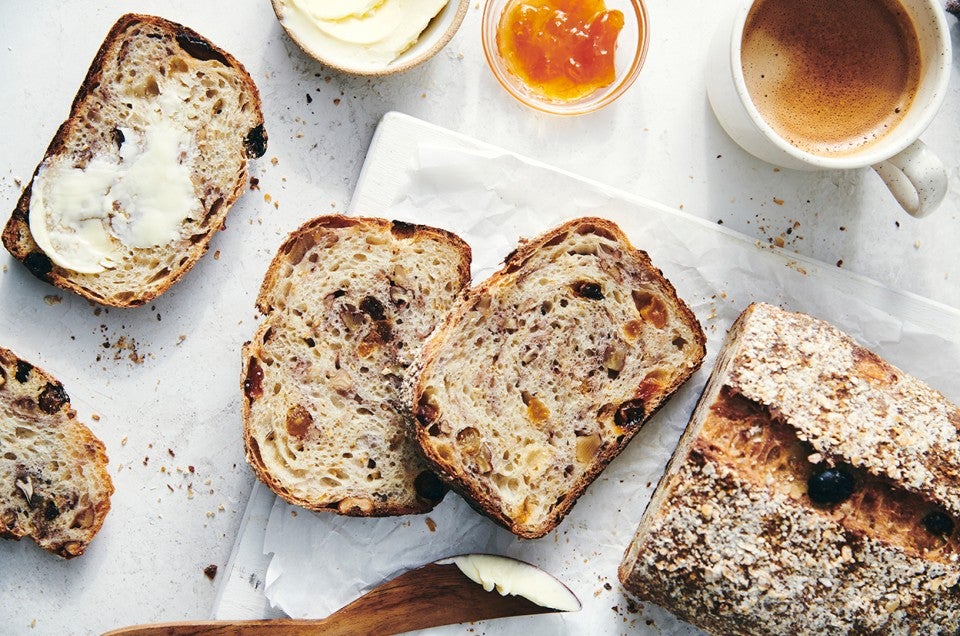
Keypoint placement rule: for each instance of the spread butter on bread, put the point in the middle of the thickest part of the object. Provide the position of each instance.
(545, 372)
(143, 172)
(54, 485)
(816, 490)
(348, 303)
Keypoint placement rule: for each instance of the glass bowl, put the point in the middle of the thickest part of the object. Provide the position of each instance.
(628, 59)
(437, 34)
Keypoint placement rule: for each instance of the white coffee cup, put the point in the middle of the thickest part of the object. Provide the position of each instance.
(914, 175)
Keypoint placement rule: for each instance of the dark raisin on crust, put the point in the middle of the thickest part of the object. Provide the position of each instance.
(23, 371)
(629, 414)
(52, 398)
(39, 264)
(118, 137)
(256, 142)
(200, 49)
(831, 486)
(253, 382)
(938, 523)
(429, 486)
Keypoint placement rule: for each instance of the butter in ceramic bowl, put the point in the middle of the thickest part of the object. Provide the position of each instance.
(565, 56)
(370, 37)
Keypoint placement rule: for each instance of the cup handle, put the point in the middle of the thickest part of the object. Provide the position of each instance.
(916, 178)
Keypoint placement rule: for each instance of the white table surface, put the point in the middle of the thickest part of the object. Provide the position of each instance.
(177, 404)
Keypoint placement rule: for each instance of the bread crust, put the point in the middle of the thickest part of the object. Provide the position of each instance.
(323, 233)
(472, 486)
(17, 237)
(55, 486)
(732, 541)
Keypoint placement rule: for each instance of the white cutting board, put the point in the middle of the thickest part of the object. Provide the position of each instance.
(392, 154)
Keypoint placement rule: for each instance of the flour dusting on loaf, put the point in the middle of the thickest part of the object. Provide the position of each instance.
(545, 372)
(814, 491)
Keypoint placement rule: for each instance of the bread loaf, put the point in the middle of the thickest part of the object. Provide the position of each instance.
(543, 373)
(54, 485)
(141, 175)
(816, 490)
(348, 303)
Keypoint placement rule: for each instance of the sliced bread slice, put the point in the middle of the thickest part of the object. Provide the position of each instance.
(348, 304)
(545, 371)
(54, 485)
(141, 175)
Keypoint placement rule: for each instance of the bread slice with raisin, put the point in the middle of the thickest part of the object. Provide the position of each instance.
(348, 303)
(143, 172)
(816, 490)
(54, 485)
(545, 372)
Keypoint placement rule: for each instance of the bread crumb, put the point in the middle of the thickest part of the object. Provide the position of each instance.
(95, 417)
(216, 257)
(274, 161)
(210, 571)
(52, 299)
(181, 338)
(778, 201)
(916, 244)
(123, 441)
(431, 524)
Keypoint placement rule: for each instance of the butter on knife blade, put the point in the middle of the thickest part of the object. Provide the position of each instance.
(512, 577)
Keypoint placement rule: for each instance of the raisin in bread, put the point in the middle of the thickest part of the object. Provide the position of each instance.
(141, 175)
(816, 490)
(54, 485)
(545, 371)
(348, 303)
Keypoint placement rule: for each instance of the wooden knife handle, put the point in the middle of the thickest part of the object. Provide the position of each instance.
(331, 626)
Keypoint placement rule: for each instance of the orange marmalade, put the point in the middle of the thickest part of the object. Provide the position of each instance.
(561, 49)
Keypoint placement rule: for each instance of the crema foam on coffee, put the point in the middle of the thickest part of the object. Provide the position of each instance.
(831, 76)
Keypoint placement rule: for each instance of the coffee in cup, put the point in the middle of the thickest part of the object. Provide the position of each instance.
(831, 76)
(836, 85)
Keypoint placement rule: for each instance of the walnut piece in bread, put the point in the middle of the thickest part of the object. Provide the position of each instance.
(545, 371)
(816, 490)
(143, 172)
(54, 485)
(348, 303)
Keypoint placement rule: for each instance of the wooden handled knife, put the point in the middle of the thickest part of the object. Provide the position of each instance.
(455, 590)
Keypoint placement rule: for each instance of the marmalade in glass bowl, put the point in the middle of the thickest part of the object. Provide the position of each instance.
(561, 49)
(565, 57)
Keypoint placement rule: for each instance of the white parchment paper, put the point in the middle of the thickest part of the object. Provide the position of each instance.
(493, 199)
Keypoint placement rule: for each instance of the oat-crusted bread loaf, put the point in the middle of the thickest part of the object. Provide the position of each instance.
(141, 175)
(816, 490)
(348, 302)
(54, 485)
(545, 371)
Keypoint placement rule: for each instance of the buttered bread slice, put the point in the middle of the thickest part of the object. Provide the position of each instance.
(816, 490)
(348, 303)
(54, 485)
(141, 175)
(545, 371)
